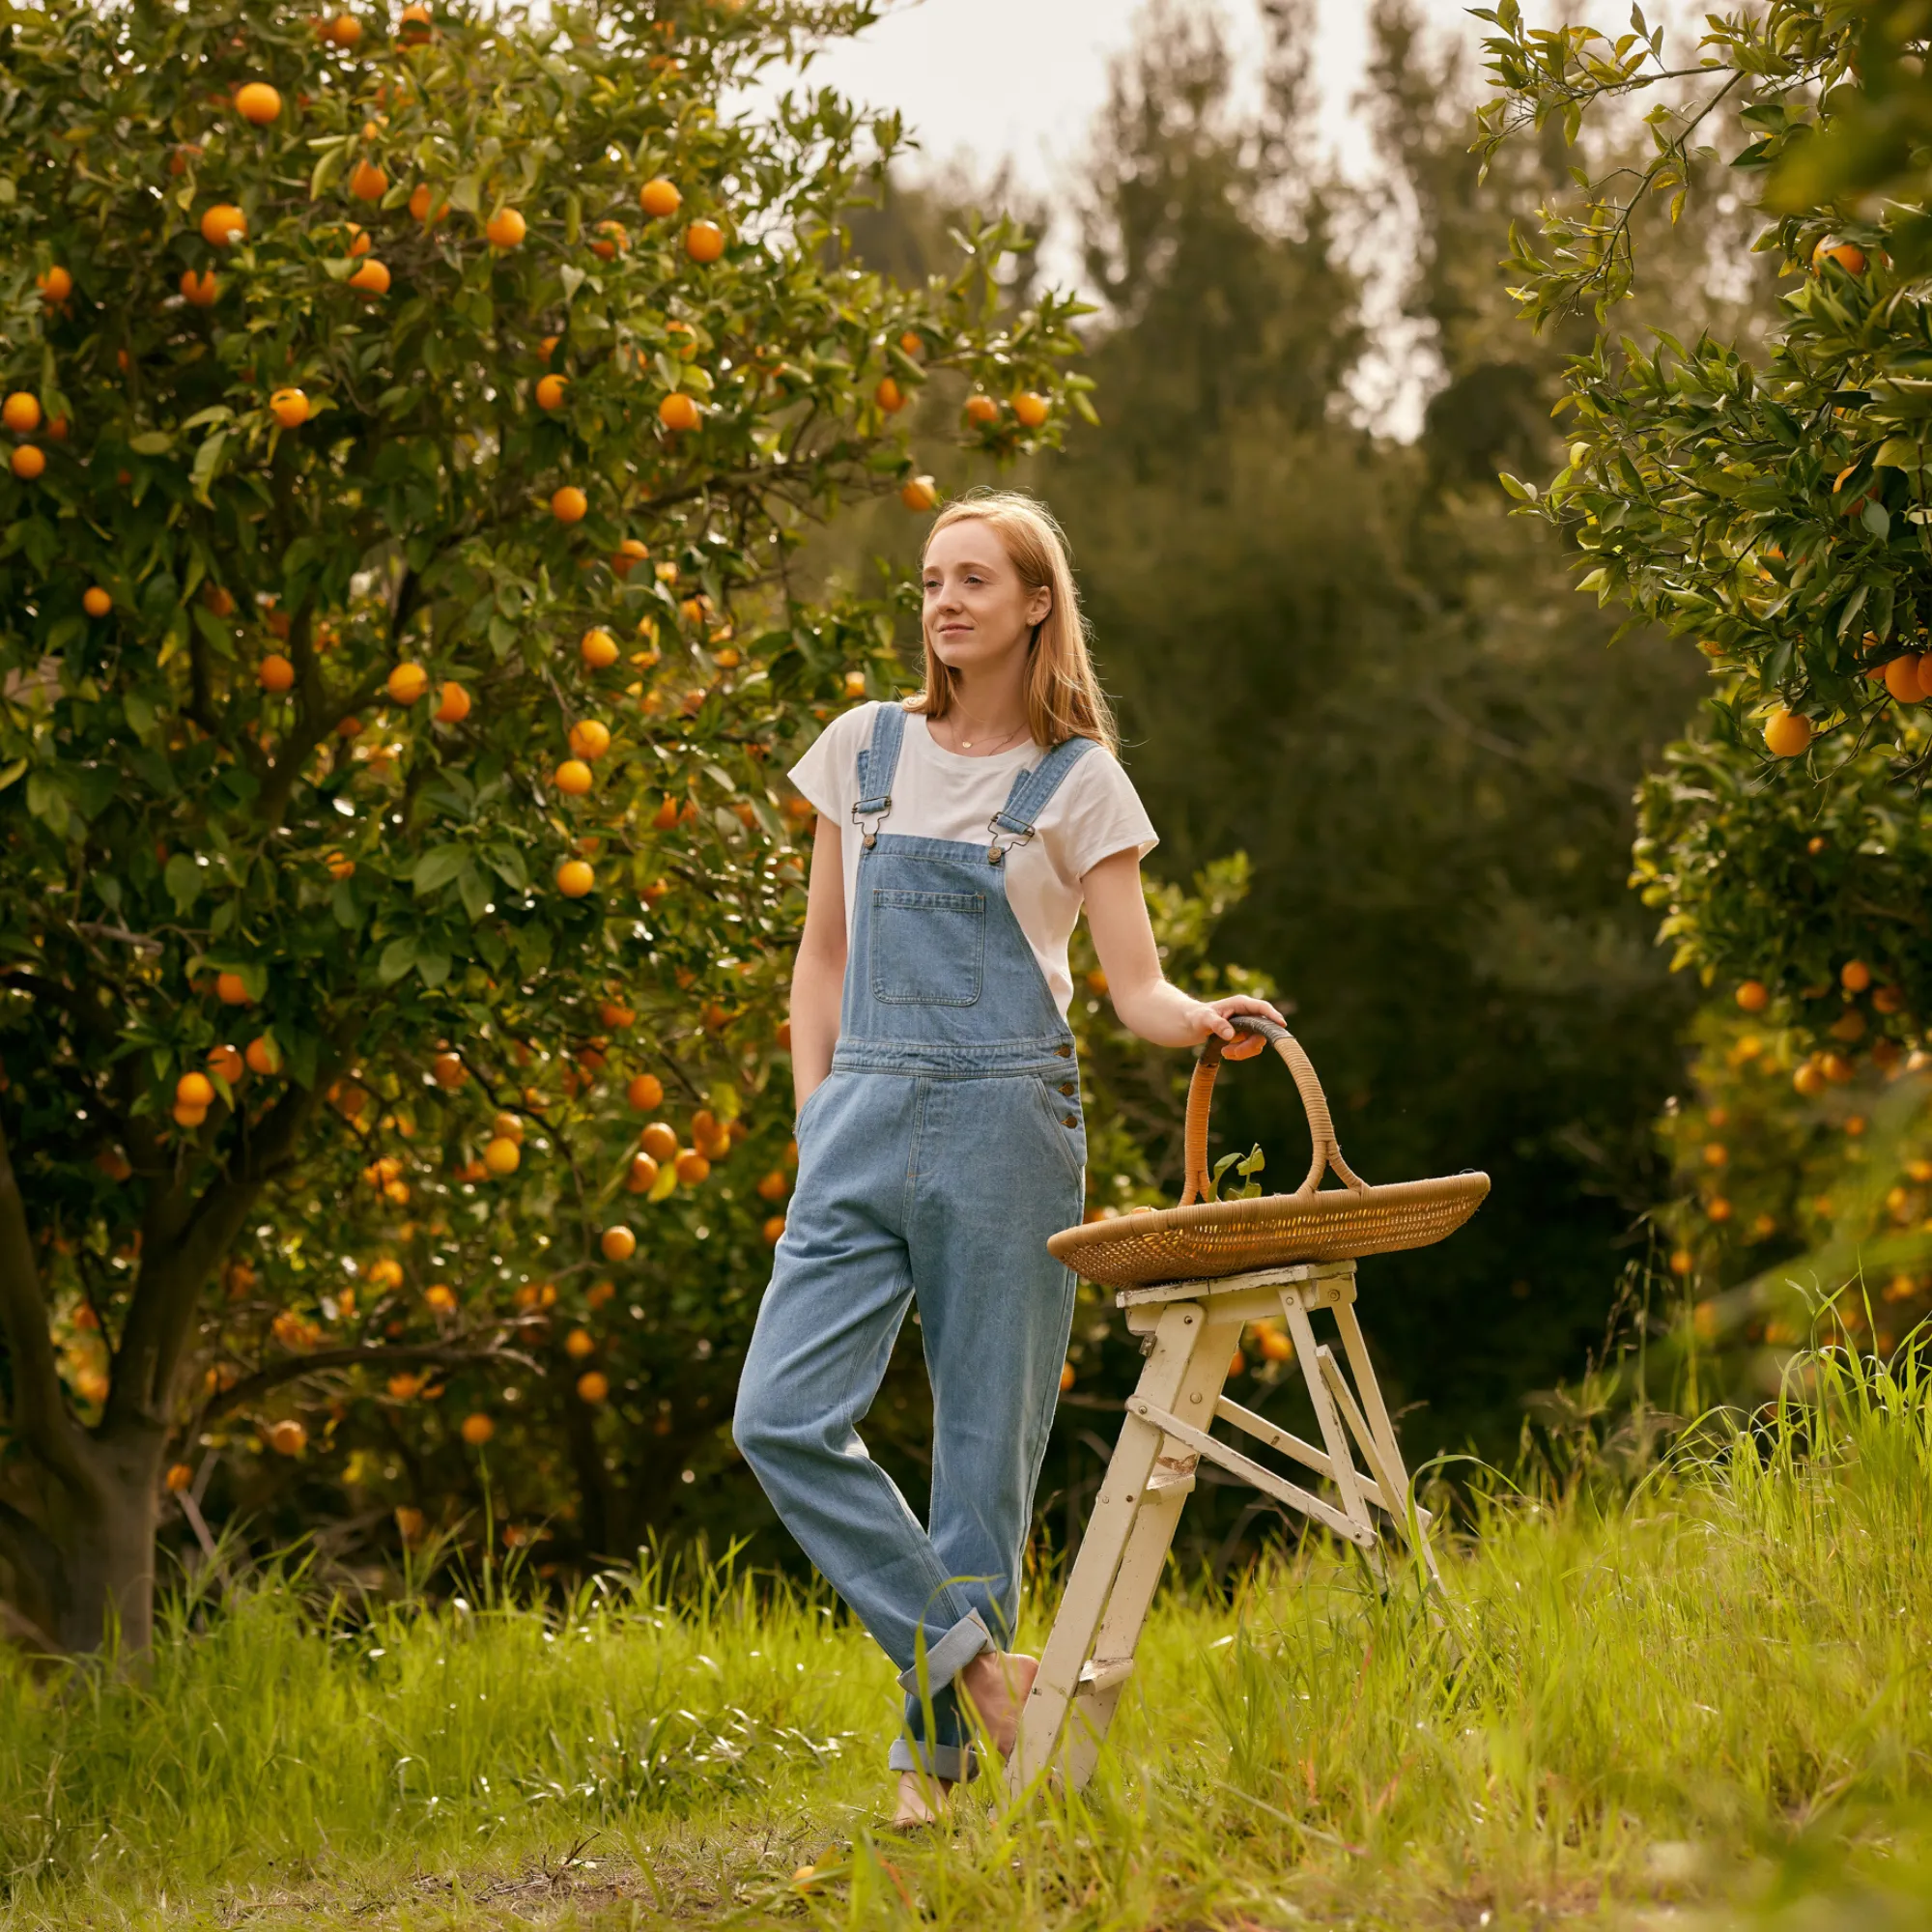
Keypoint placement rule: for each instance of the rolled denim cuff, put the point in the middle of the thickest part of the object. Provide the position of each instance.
(952, 1653)
(955, 1763)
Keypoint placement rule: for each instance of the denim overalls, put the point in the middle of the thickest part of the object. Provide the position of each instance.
(942, 1149)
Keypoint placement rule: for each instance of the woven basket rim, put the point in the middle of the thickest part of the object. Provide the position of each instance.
(1277, 1211)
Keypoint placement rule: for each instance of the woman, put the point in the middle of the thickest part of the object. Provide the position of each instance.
(939, 1129)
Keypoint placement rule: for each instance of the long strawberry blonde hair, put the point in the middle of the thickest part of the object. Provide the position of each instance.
(1063, 695)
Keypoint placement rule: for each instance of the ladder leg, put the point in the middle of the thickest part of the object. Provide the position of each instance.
(1077, 1621)
(1402, 1497)
(1146, 1557)
(1340, 1454)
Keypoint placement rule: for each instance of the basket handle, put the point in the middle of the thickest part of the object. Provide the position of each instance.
(1314, 1103)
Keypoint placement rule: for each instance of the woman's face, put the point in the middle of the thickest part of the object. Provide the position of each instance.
(977, 613)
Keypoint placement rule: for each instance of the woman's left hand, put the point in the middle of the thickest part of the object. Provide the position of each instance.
(1213, 1018)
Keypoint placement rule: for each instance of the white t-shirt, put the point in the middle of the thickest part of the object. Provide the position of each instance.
(942, 794)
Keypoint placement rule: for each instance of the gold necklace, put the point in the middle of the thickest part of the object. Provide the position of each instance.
(967, 744)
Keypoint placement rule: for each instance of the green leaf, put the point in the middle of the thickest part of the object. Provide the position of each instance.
(474, 888)
(433, 968)
(438, 867)
(206, 462)
(10, 773)
(151, 443)
(398, 956)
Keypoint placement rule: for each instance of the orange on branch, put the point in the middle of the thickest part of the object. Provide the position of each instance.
(287, 1437)
(659, 1140)
(194, 1090)
(569, 504)
(693, 1166)
(598, 649)
(257, 103)
(275, 674)
(200, 291)
(982, 410)
(618, 1245)
(660, 197)
(573, 778)
(919, 493)
(371, 280)
(1855, 975)
(28, 462)
(889, 397)
(223, 224)
(180, 1475)
(615, 1015)
(678, 412)
(642, 1176)
(502, 1157)
(704, 242)
(95, 602)
(290, 407)
(264, 1056)
(575, 878)
(1787, 733)
(626, 557)
(550, 391)
(407, 683)
(773, 1230)
(477, 1429)
(448, 1071)
(593, 1386)
(644, 1094)
(55, 284)
(1848, 255)
(1753, 996)
(232, 990)
(590, 739)
(368, 181)
(21, 413)
(1031, 408)
(453, 705)
(506, 227)
(579, 1344)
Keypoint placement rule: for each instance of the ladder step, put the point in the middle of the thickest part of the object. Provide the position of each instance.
(1103, 1673)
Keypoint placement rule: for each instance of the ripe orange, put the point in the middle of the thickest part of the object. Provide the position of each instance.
(506, 227)
(1066, 1376)
(21, 413)
(189, 1117)
(264, 1056)
(371, 280)
(502, 1156)
(27, 463)
(658, 1141)
(642, 1176)
(921, 493)
(222, 224)
(575, 878)
(287, 1437)
(658, 196)
(219, 600)
(678, 412)
(1855, 975)
(1848, 255)
(55, 284)
(593, 1386)
(1836, 1067)
(179, 1477)
(692, 1167)
(598, 649)
(590, 739)
(580, 1343)
(774, 1186)
(477, 1430)
(1753, 996)
(912, 344)
(1031, 408)
(95, 602)
(344, 31)
(290, 407)
(616, 240)
(275, 674)
(440, 1296)
(627, 557)
(644, 1093)
(773, 1230)
(194, 1090)
(618, 1243)
(368, 181)
(1889, 1000)
(415, 26)
(201, 291)
(572, 778)
(408, 682)
(889, 397)
(1787, 733)
(340, 866)
(424, 206)
(453, 707)
(704, 242)
(550, 391)
(232, 990)
(449, 1071)
(569, 504)
(257, 103)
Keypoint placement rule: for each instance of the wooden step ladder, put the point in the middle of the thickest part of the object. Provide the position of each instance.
(1195, 1327)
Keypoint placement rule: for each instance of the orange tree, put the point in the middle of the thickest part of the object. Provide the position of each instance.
(410, 425)
(1770, 505)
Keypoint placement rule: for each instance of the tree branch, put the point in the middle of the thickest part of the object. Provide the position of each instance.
(293, 1368)
(40, 1413)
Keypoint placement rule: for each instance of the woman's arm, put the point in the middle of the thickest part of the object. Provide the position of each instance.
(818, 974)
(1117, 916)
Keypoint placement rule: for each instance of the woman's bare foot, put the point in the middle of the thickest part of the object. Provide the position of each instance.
(923, 1800)
(995, 1686)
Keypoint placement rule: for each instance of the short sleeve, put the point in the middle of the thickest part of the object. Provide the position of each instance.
(828, 774)
(1104, 815)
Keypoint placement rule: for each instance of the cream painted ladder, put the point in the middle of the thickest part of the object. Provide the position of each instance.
(1196, 1326)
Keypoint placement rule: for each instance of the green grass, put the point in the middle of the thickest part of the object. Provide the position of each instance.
(1704, 1699)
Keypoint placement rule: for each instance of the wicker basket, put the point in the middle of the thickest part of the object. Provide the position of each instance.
(1194, 1243)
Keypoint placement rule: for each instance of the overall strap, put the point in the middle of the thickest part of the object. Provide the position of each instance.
(1013, 823)
(878, 762)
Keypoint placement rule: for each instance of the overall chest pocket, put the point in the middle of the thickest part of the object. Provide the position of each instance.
(929, 949)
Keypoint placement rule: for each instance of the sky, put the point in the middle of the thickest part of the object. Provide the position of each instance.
(1020, 81)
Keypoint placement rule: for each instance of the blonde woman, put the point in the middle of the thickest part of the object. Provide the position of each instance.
(940, 1138)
